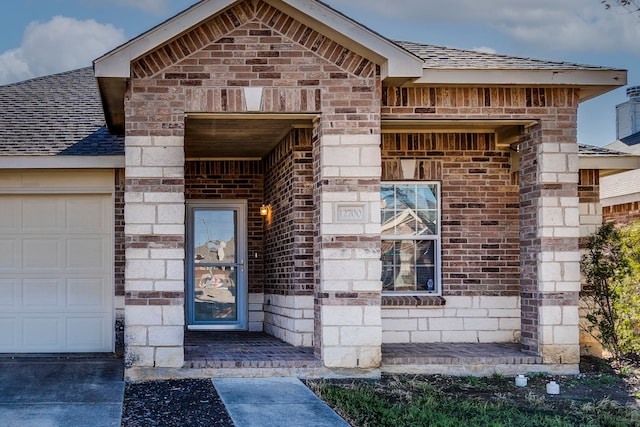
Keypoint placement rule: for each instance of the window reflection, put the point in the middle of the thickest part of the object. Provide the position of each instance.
(410, 233)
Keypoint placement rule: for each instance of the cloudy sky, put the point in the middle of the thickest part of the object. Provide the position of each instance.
(40, 37)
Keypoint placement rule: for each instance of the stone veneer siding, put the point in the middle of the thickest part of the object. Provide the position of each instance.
(550, 231)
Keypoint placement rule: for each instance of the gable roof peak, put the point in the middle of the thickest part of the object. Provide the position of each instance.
(394, 60)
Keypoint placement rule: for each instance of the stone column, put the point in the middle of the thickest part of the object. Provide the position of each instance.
(348, 316)
(549, 235)
(154, 269)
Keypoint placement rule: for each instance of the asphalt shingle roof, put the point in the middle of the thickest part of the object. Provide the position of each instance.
(60, 114)
(592, 150)
(451, 58)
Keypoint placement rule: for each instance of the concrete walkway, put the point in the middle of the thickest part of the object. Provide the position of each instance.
(60, 391)
(274, 402)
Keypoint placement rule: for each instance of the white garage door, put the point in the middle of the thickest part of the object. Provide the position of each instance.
(56, 292)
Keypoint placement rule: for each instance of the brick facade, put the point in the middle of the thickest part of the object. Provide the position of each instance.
(119, 257)
(622, 214)
(253, 44)
(548, 198)
(289, 232)
(510, 243)
(118, 231)
(480, 239)
(591, 212)
(228, 180)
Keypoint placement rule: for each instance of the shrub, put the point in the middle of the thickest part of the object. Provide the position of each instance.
(611, 267)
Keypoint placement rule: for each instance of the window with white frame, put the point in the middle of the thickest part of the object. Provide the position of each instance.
(410, 237)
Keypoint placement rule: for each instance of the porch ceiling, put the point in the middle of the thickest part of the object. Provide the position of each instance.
(238, 136)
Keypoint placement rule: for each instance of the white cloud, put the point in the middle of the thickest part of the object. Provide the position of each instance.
(566, 25)
(58, 45)
(156, 7)
(484, 49)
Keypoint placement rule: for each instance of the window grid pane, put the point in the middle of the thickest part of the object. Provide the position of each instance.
(410, 233)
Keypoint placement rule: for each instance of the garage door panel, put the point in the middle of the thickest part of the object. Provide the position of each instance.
(86, 254)
(41, 295)
(86, 294)
(41, 214)
(9, 250)
(41, 333)
(41, 254)
(9, 334)
(80, 333)
(56, 273)
(9, 295)
(10, 214)
(84, 216)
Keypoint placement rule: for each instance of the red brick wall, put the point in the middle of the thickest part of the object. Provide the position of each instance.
(589, 186)
(480, 236)
(622, 214)
(289, 231)
(557, 105)
(252, 44)
(118, 232)
(589, 192)
(243, 180)
(556, 111)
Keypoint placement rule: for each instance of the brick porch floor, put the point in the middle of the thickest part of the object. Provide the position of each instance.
(456, 354)
(243, 350)
(259, 350)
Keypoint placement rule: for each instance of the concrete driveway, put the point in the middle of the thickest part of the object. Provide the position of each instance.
(61, 391)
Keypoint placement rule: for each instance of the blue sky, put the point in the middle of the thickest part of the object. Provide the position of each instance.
(46, 36)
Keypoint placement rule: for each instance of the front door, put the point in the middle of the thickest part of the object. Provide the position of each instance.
(216, 270)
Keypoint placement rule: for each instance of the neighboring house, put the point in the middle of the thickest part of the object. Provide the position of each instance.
(451, 175)
(620, 194)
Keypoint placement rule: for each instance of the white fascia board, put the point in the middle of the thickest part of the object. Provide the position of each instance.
(611, 163)
(62, 162)
(117, 62)
(605, 79)
(395, 61)
(620, 200)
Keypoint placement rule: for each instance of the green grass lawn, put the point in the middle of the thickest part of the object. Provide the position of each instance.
(397, 401)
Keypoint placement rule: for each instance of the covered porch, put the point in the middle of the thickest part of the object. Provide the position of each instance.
(257, 354)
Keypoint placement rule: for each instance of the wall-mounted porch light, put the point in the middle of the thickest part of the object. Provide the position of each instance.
(264, 210)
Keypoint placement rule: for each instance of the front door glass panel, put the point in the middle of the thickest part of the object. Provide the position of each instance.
(217, 285)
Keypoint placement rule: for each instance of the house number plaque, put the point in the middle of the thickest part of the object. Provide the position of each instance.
(351, 213)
